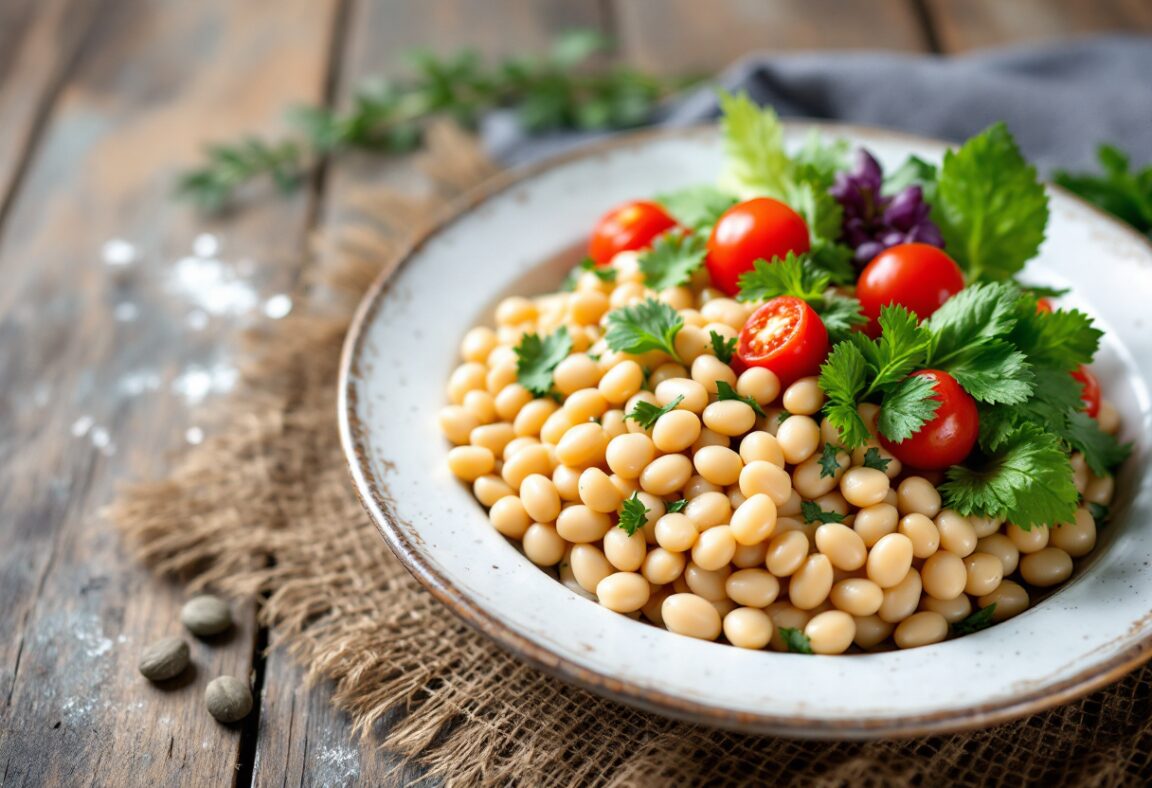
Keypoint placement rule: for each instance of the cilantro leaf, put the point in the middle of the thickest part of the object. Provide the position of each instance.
(697, 207)
(830, 459)
(1102, 452)
(796, 641)
(645, 413)
(840, 315)
(788, 276)
(723, 348)
(605, 273)
(536, 357)
(980, 312)
(672, 259)
(649, 325)
(1064, 338)
(990, 206)
(812, 513)
(981, 619)
(1028, 481)
(843, 379)
(633, 514)
(821, 212)
(872, 459)
(993, 372)
(818, 159)
(677, 506)
(900, 350)
(1122, 193)
(754, 146)
(725, 391)
(833, 260)
(907, 407)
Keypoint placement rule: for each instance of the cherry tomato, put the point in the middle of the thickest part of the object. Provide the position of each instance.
(917, 276)
(632, 225)
(785, 336)
(949, 437)
(761, 228)
(1043, 305)
(1090, 391)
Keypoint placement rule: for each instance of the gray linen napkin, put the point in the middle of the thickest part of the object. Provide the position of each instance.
(1060, 100)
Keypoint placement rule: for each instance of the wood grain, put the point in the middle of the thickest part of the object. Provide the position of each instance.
(970, 24)
(91, 394)
(685, 36)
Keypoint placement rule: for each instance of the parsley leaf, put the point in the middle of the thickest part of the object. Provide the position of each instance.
(697, 207)
(672, 259)
(536, 357)
(821, 212)
(990, 206)
(830, 459)
(796, 641)
(725, 391)
(645, 413)
(1102, 452)
(907, 407)
(814, 514)
(994, 372)
(723, 348)
(754, 146)
(900, 350)
(649, 325)
(605, 273)
(818, 159)
(979, 312)
(1063, 339)
(843, 379)
(1028, 481)
(677, 506)
(872, 459)
(981, 619)
(840, 315)
(633, 514)
(1122, 193)
(788, 276)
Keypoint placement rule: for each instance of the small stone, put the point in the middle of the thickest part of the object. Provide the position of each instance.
(228, 699)
(164, 659)
(206, 615)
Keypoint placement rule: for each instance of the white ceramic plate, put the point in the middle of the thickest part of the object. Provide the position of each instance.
(403, 347)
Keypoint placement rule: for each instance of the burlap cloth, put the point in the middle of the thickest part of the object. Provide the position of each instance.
(266, 509)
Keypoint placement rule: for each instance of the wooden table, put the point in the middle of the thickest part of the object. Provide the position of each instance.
(104, 347)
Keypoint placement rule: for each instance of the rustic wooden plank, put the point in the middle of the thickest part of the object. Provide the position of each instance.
(685, 36)
(302, 739)
(39, 39)
(969, 24)
(105, 337)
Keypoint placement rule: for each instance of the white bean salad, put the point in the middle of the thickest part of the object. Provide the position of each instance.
(745, 422)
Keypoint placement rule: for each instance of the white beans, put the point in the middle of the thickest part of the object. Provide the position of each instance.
(921, 629)
(799, 438)
(831, 632)
(754, 521)
(623, 592)
(747, 627)
(864, 487)
(688, 614)
(729, 417)
(843, 546)
(890, 559)
(811, 583)
(752, 587)
(1046, 567)
(718, 464)
(917, 495)
(665, 475)
(540, 497)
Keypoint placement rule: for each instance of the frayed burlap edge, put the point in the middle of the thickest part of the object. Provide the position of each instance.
(265, 509)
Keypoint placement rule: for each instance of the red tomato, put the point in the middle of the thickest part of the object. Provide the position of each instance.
(1043, 305)
(762, 228)
(785, 336)
(917, 276)
(629, 226)
(1090, 391)
(949, 437)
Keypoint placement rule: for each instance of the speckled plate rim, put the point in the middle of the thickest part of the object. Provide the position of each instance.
(378, 506)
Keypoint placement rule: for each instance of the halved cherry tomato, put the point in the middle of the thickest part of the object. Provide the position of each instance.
(1043, 305)
(1089, 392)
(786, 336)
(632, 225)
(761, 228)
(917, 276)
(949, 437)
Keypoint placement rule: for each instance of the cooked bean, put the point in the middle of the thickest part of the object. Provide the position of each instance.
(613, 423)
(710, 438)
(871, 631)
(691, 342)
(482, 405)
(1003, 548)
(921, 629)
(876, 521)
(799, 438)
(754, 521)
(628, 455)
(944, 575)
(543, 545)
(457, 423)
(621, 382)
(528, 460)
(748, 556)
(957, 534)
(922, 531)
(490, 488)
(567, 481)
(1030, 541)
(900, 600)
(811, 583)
(540, 497)
(1076, 538)
(752, 587)
(786, 616)
(864, 487)
(786, 552)
(985, 526)
(830, 632)
(709, 509)
(589, 566)
(1046, 567)
(917, 495)
(665, 475)
(509, 517)
(477, 344)
(691, 615)
(791, 507)
(889, 560)
(761, 445)
(843, 546)
(676, 430)
(493, 437)
(1108, 417)
(984, 573)
(530, 418)
(579, 524)
(857, 596)
(623, 592)
(662, 566)
(1010, 598)
(585, 405)
(516, 444)
(747, 627)
(729, 417)
(714, 548)
(695, 395)
(575, 373)
(469, 376)
(697, 485)
(758, 383)
(761, 476)
(718, 464)
(706, 370)
(1100, 490)
(515, 310)
(586, 307)
(598, 492)
(953, 610)
(810, 480)
(804, 397)
(470, 462)
(583, 445)
(676, 532)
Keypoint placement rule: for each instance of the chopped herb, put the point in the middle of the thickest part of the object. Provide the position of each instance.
(830, 460)
(981, 619)
(649, 325)
(724, 391)
(1043, 291)
(1121, 191)
(677, 506)
(697, 207)
(796, 641)
(1100, 512)
(536, 357)
(782, 416)
(814, 514)
(672, 259)
(791, 276)
(633, 514)
(645, 413)
(1102, 452)
(872, 459)
(723, 348)
(605, 273)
